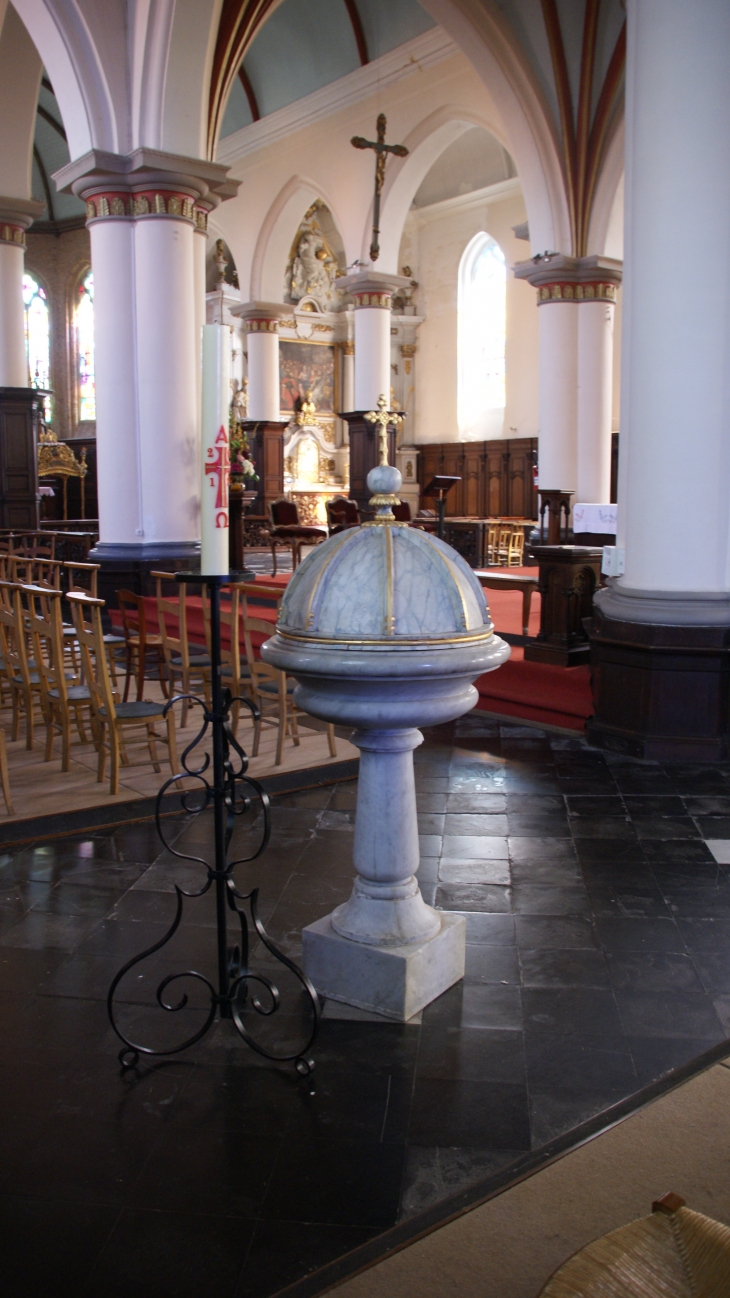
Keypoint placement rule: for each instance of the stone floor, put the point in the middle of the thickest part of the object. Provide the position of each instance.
(598, 922)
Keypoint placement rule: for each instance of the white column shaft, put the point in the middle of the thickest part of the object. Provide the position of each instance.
(199, 249)
(675, 425)
(13, 362)
(118, 462)
(348, 382)
(263, 375)
(167, 366)
(372, 356)
(595, 380)
(558, 395)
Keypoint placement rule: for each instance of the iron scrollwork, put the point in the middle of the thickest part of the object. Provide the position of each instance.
(232, 794)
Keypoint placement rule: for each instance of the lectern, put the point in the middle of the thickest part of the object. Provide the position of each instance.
(438, 489)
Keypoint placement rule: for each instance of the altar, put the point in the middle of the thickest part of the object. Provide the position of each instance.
(315, 470)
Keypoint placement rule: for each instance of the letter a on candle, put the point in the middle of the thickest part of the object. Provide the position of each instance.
(214, 559)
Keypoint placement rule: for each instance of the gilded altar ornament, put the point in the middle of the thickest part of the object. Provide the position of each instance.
(57, 460)
(305, 413)
(673, 1253)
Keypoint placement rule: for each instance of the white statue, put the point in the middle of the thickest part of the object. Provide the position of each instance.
(312, 268)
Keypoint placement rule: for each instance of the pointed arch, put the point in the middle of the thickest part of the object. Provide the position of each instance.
(277, 231)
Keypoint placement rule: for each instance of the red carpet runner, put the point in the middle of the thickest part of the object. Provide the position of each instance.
(536, 692)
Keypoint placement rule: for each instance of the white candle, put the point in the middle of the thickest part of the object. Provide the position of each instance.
(214, 558)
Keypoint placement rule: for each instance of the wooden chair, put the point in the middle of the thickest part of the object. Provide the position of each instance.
(138, 642)
(17, 664)
(34, 545)
(187, 664)
(503, 539)
(34, 572)
(273, 692)
(341, 514)
(516, 548)
(286, 529)
(113, 717)
(402, 512)
(235, 674)
(492, 545)
(4, 777)
(61, 692)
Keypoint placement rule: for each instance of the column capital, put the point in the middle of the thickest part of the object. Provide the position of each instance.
(261, 317)
(16, 214)
(371, 288)
(146, 183)
(560, 278)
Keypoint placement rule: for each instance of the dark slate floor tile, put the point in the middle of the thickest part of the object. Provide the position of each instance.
(454, 1113)
(640, 806)
(282, 1252)
(450, 870)
(659, 828)
(601, 784)
(528, 825)
(553, 1112)
(611, 851)
(473, 823)
(475, 803)
(491, 964)
(707, 805)
(352, 1105)
(83, 1162)
(699, 902)
(608, 829)
(557, 968)
(178, 1253)
(656, 1056)
(572, 1010)
(386, 1047)
(50, 1247)
(231, 1171)
(544, 931)
(683, 1013)
(326, 1181)
(627, 902)
(588, 805)
(639, 779)
(577, 1062)
(539, 805)
(660, 972)
(473, 1054)
(494, 930)
(713, 968)
(713, 826)
(474, 897)
(698, 779)
(639, 935)
(491, 1006)
(542, 899)
(705, 934)
(433, 1173)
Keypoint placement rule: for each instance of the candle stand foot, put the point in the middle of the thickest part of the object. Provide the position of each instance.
(231, 793)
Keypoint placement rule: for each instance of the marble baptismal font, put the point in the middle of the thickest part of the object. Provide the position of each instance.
(385, 628)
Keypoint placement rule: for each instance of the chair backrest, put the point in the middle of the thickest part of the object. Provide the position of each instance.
(134, 620)
(82, 577)
(342, 512)
(34, 572)
(86, 614)
(257, 626)
(34, 545)
(42, 613)
(402, 512)
(14, 634)
(172, 616)
(283, 513)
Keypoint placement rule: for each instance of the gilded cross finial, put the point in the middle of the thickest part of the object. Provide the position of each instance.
(382, 417)
(381, 157)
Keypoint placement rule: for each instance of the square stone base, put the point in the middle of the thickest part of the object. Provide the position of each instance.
(394, 981)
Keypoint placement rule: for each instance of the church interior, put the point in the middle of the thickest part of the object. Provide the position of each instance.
(351, 357)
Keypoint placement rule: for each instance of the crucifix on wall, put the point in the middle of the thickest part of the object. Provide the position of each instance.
(381, 157)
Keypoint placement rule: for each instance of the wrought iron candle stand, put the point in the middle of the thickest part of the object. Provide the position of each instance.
(225, 793)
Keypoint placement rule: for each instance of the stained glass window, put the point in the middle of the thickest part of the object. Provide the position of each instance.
(37, 337)
(84, 323)
(482, 334)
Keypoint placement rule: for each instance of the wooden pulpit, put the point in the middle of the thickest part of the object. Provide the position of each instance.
(20, 413)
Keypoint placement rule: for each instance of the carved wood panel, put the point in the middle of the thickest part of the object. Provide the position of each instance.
(496, 476)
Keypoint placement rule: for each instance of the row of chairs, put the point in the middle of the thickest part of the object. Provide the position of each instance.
(505, 546)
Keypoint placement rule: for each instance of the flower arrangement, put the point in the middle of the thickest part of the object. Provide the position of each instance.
(243, 468)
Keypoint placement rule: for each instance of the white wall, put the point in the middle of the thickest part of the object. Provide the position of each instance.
(433, 244)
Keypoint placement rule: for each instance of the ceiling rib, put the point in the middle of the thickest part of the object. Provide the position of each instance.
(357, 27)
(250, 93)
(48, 117)
(45, 184)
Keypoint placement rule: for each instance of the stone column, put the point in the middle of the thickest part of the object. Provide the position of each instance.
(15, 216)
(264, 426)
(348, 376)
(662, 630)
(143, 210)
(576, 297)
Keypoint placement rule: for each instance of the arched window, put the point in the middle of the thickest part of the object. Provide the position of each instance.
(37, 337)
(481, 339)
(84, 336)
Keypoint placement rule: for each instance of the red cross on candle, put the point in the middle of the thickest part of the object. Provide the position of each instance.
(218, 463)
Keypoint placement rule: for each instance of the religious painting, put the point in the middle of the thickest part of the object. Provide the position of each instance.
(303, 368)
